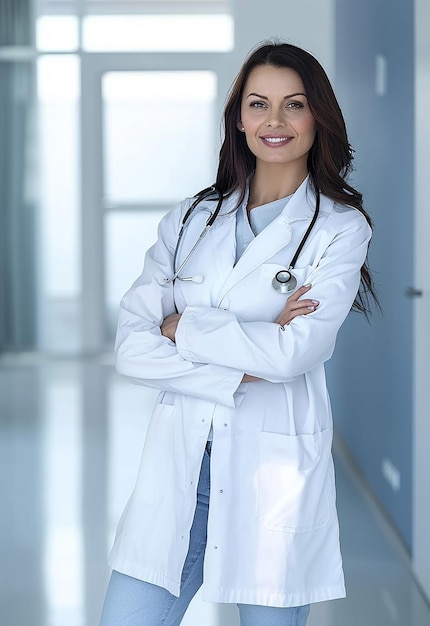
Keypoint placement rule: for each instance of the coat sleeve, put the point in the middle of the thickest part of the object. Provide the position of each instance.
(141, 351)
(263, 349)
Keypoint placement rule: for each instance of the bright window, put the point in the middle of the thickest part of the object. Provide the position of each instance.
(154, 33)
(58, 82)
(57, 33)
(158, 135)
(135, 25)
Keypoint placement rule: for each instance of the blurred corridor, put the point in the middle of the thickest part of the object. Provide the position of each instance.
(91, 93)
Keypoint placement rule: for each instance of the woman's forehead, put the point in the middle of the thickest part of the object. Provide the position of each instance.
(270, 78)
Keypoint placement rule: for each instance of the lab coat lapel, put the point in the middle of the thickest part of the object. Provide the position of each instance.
(273, 238)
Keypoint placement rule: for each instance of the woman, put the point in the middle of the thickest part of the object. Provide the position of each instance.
(238, 352)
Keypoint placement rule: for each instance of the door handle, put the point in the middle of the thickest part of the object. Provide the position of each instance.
(412, 292)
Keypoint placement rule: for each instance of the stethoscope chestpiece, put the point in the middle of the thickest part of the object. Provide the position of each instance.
(284, 281)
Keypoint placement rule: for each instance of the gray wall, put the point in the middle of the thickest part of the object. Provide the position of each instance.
(371, 374)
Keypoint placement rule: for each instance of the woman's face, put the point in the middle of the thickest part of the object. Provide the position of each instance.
(276, 118)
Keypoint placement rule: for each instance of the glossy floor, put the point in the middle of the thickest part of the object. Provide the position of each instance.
(70, 441)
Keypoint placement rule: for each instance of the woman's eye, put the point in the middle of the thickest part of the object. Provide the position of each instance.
(294, 105)
(257, 105)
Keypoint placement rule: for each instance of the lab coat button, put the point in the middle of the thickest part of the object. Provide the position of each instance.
(225, 425)
(221, 490)
(215, 547)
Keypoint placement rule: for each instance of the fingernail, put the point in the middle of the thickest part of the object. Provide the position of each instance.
(316, 302)
(310, 308)
(307, 285)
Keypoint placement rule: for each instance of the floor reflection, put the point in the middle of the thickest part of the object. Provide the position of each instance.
(71, 435)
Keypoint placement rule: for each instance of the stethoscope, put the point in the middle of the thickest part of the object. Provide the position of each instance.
(212, 217)
(284, 281)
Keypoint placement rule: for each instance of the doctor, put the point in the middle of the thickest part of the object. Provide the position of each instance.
(236, 485)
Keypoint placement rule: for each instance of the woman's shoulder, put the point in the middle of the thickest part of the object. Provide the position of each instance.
(344, 215)
(345, 219)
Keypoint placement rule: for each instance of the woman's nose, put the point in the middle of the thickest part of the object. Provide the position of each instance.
(274, 122)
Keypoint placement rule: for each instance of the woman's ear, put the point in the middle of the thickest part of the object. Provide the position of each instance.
(240, 126)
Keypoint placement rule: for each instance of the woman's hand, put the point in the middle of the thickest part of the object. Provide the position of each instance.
(294, 306)
(247, 378)
(169, 326)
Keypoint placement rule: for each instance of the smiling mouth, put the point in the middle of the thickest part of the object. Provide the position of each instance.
(276, 141)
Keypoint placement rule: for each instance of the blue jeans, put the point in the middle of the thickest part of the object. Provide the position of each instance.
(132, 602)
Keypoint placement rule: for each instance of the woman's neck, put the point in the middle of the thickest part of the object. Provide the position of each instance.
(273, 183)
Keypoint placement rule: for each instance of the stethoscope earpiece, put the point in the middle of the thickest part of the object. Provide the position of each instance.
(284, 281)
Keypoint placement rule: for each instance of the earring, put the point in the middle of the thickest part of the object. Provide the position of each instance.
(243, 129)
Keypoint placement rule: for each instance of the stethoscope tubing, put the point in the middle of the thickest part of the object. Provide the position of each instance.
(212, 217)
(185, 261)
(283, 286)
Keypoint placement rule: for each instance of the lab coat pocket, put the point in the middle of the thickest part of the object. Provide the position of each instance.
(156, 466)
(292, 481)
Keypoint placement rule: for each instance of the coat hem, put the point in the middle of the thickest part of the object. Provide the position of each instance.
(146, 575)
(262, 598)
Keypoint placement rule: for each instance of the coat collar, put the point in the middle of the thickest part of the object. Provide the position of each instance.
(273, 238)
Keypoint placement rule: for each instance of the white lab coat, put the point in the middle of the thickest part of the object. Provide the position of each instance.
(272, 530)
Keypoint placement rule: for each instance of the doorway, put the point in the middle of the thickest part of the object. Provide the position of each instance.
(138, 115)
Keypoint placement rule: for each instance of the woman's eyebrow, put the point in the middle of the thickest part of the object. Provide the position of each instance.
(299, 93)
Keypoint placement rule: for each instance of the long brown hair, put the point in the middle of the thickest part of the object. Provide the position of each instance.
(330, 158)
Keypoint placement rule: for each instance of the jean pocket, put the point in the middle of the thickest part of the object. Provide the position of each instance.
(292, 491)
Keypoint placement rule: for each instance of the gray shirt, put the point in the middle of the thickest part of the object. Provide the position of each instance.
(259, 218)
